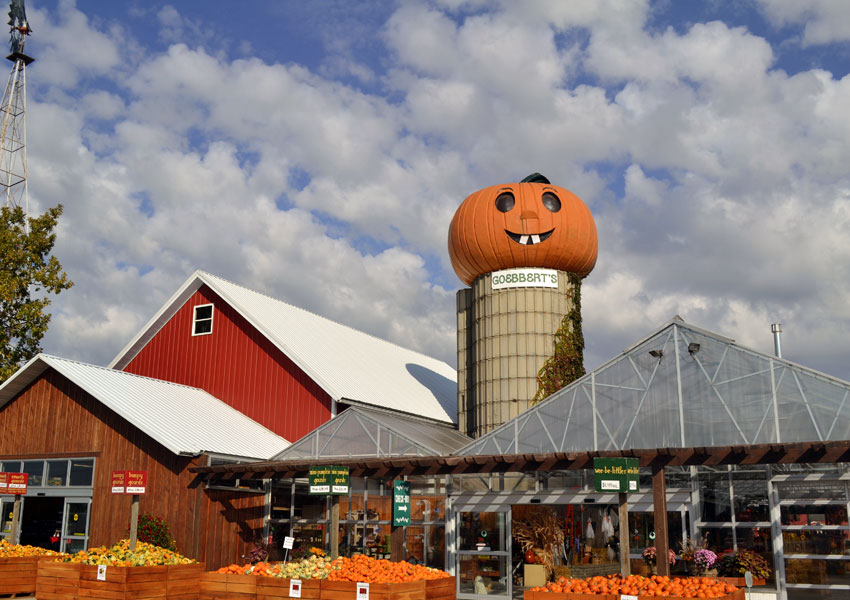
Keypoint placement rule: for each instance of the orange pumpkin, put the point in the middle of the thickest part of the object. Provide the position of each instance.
(528, 224)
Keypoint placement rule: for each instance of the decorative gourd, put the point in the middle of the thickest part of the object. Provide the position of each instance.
(530, 557)
(527, 224)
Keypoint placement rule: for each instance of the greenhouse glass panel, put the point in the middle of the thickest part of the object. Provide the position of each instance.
(795, 418)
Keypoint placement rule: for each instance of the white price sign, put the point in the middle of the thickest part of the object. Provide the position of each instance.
(294, 588)
(627, 597)
(288, 542)
(362, 591)
(101, 572)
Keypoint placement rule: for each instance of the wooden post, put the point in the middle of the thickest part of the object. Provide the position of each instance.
(334, 532)
(625, 561)
(659, 498)
(397, 544)
(16, 515)
(134, 521)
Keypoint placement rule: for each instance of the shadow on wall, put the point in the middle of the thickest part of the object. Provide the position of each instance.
(443, 388)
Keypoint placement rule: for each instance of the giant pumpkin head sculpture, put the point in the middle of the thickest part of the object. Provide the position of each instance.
(528, 224)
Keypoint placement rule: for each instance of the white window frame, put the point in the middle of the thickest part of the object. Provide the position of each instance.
(195, 318)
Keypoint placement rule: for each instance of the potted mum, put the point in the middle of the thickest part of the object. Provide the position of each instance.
(704, 560)
(650, 558)
(732, 565)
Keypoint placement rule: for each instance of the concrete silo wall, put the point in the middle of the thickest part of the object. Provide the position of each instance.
(504, 337)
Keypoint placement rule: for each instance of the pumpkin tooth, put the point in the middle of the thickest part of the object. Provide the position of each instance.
(535, 239)
(523, 240)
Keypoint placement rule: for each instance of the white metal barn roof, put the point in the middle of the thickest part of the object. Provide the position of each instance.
(680, 387)
(351, 366)
(184, 419)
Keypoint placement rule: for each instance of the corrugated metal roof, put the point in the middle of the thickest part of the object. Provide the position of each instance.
(367, 432)
(348, 364)
(184, 419)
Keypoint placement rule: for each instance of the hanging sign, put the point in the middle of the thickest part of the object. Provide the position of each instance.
(17, 483)
(294, 588)
(137, 482)
(512, 278)
(401, 503)
(328, 480)
(4, 483)
(119, 482)
(621, 475)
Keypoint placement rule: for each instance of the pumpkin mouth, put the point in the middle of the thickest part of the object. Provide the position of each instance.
(529, 240)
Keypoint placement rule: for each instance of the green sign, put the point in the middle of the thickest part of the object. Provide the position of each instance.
(616, 475)
(401, 503)
(328, 480)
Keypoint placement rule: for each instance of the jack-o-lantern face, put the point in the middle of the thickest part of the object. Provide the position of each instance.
(528, 224)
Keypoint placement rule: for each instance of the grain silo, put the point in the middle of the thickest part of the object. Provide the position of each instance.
(522, 248)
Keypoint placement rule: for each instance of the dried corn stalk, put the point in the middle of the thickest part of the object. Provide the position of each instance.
(542, 532)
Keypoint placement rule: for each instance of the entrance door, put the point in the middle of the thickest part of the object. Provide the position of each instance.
(75, 533)
(484, 554)
(41, 522)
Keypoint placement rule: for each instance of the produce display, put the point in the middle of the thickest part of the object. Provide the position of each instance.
(359, 568)
(679, 587)
(366, 569)
(8, 550)
(120, 555)
(315, 567)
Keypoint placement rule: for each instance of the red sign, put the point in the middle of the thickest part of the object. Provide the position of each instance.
(137, 482)
(4, 483)
(119, 482)
(17, 483)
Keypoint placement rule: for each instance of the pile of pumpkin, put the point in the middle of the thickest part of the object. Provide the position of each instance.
(634, 585)
(8, 550)
(120, 555)
(359, 568)
(314, 567)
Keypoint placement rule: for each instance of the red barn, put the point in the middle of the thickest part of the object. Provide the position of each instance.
(287, 368)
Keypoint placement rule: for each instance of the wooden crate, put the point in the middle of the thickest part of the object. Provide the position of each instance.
(57, 580)
(347, 590)
(441, 589)
(73, 581)
(17, 575)
(736, 595)
(225, 586)
(273, 588)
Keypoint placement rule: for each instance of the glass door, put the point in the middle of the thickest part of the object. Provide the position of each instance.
(484, 554)
(75, 528)
(7, 508)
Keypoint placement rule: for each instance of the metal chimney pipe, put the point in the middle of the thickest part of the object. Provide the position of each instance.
(776, 328)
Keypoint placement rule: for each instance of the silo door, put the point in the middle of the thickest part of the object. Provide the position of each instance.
(484, 554)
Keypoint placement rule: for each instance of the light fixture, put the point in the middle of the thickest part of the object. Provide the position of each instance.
(656, 353)
(693, 348)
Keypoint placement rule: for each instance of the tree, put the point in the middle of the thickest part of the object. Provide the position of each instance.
(567, 361)
(27, 275)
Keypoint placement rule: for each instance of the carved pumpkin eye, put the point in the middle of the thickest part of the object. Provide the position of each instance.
(505, 202)
(551, 202)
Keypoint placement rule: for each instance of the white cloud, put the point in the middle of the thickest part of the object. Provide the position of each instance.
(823, 21)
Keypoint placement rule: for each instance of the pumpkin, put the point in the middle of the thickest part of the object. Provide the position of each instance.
(527, 224)
(530, 557)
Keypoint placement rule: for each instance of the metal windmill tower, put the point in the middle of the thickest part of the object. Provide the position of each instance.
(13, 130)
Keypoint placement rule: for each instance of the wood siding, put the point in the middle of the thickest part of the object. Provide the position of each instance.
(237, 364)
(53, 417)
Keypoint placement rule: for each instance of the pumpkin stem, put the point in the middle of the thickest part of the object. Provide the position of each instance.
(535, 178)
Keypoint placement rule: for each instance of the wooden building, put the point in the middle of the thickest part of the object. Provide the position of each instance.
(69, 425)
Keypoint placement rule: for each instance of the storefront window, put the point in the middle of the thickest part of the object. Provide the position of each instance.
(718, 539)
(714, 495)
(816, 571)
(82, 471)
(11, 466)
(483, 574)
(813, 514)
(57, 472)
(750, 491)
(482, 531)
(35, 469)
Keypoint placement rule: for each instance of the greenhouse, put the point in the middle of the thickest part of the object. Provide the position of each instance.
(754, 450)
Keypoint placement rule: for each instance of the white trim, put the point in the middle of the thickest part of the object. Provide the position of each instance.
(196, 320)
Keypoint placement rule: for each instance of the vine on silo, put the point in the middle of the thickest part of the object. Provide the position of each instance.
(567, 361)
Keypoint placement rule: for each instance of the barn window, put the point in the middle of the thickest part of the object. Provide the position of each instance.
(203, 319)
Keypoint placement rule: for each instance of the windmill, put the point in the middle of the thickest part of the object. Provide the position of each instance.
(13, 134)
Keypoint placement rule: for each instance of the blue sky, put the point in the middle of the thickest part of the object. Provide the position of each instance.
(317, 151)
